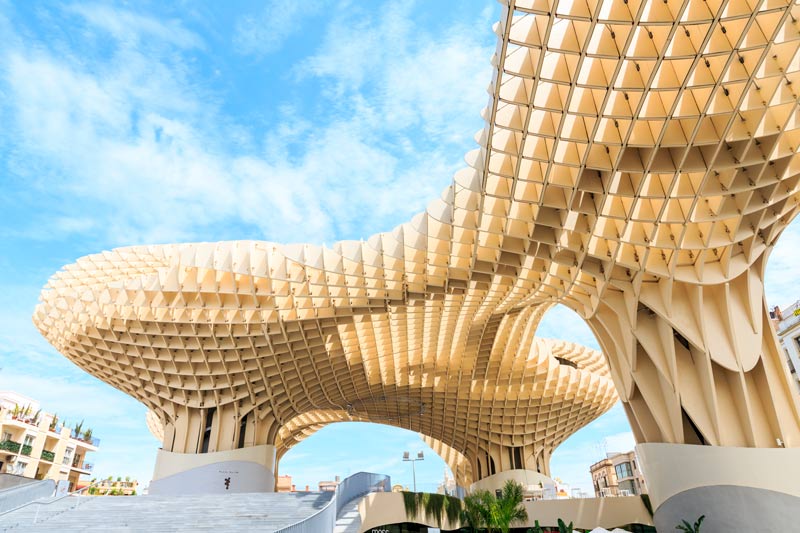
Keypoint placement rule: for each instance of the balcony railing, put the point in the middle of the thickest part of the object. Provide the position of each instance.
(10, 445)
(85, 466)
(94, 441)
(27, 449)
(48, 455)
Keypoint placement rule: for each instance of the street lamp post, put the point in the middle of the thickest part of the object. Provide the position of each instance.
(407, 457)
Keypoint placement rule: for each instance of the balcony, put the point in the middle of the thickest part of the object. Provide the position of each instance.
(10, 445)
(27, 449)
(93, 441)
(48, 455)
(85, 467)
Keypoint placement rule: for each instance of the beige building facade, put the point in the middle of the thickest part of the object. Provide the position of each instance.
(114, 487)
(638, 163)
(33, 444)
(284, 483)
(618, 474)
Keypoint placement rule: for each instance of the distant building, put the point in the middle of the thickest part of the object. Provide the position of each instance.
(787, 326)
(617, 475)
(109, 487)
(399, 488)
(448, 484)
(329, 486)
(38, 445)
(284, 484)
(559, 491)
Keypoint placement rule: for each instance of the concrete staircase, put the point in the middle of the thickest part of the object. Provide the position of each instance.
(263, 512)
(349, 519)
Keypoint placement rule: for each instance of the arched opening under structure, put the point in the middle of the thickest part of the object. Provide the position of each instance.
(344, 448)
(610, 433)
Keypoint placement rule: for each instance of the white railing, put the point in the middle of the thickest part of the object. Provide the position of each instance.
(40, 503)
(349, 489)
(15, 497)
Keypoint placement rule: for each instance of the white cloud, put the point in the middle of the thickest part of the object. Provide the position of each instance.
(434, 82)
(781, 276)
(130, 28)
(128, 146)
(144, 154)
(265, 32)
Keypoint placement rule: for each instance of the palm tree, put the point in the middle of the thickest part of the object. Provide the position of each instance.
(475, 513)
(508, 508)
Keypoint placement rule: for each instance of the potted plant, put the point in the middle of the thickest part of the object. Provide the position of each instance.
(78, 429)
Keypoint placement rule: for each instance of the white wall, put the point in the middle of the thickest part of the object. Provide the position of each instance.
(245, 476)
(249, 469)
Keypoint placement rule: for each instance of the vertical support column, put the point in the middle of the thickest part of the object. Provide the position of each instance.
(707, 391)
(182, 467)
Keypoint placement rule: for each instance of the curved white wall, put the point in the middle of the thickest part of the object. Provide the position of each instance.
(247, 470)
(673, 468)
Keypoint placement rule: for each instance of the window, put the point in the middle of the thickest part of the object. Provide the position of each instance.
(28, 440)
(629, 486)
(623, 470)
(67, 456)
(19, 468)
(6, 436)
(515, 456)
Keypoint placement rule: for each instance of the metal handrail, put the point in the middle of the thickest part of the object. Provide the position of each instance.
(299, 524)
(48, 502)
(341, 497)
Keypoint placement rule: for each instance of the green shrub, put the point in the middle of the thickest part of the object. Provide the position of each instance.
(435, 506)
(564, 528)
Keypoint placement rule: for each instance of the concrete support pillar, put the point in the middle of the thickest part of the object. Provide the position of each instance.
(201, 452)
(737, 489)
(709, 397)
(225, 472)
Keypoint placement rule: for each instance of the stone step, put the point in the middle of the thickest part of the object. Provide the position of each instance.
(265, 512)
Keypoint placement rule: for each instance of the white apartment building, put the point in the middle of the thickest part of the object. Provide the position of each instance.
(36, 444)
(787, 326)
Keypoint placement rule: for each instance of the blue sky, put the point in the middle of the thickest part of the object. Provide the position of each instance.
(286, 121)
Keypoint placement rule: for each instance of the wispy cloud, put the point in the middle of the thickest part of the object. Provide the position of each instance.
(264, 32)
(148, 152)
(609, 433)
(780, 279)
(117, 135)
(131, 28)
